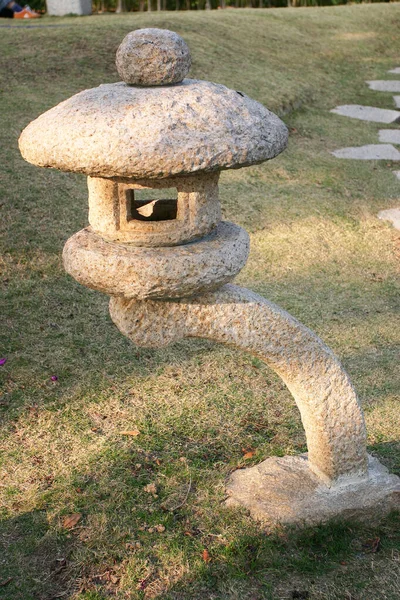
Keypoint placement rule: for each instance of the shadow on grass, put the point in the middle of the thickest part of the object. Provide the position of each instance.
(128, 544)
(32, 557)
(72, 337)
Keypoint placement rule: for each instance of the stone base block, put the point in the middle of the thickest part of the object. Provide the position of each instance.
(285, 490)
(60, 8)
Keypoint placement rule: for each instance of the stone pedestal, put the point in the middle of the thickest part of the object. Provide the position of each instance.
(285, 490)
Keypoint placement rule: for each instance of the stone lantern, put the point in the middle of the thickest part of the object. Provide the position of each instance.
(166, 259)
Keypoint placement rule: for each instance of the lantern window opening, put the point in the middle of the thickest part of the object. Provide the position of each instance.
(151, 205)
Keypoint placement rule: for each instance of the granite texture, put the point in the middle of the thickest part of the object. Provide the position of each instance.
(116, 130)
(327, 401)
(285, 490)
(153, 57)
(198, 210)
(171, 272)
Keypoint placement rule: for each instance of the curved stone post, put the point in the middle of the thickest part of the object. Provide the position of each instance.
(326, 399)
(337, 478)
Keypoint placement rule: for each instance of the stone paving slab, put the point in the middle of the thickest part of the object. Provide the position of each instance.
(369, 152)
(392, 85)
(397, 101)
(395, 71)
(396, 174)
(367, 113)
(389, 136)
(392, 215)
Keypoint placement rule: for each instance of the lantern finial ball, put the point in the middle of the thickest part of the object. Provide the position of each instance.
(150, 57)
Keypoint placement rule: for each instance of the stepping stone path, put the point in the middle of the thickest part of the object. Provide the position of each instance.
(370, 152)
(388, 137)
(367, 113)
(384, 86)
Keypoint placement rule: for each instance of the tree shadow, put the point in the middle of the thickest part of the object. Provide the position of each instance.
(33, 558)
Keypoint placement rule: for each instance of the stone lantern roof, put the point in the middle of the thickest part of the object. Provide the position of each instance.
(155, 124)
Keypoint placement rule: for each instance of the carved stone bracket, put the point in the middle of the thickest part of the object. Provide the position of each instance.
(336, 477)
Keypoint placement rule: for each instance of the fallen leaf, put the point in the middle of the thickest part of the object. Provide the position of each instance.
(159, 528)
(206, 555)
(134, 432)
(71, 520)
(6, 582)
(249, 454)
(150, 488)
